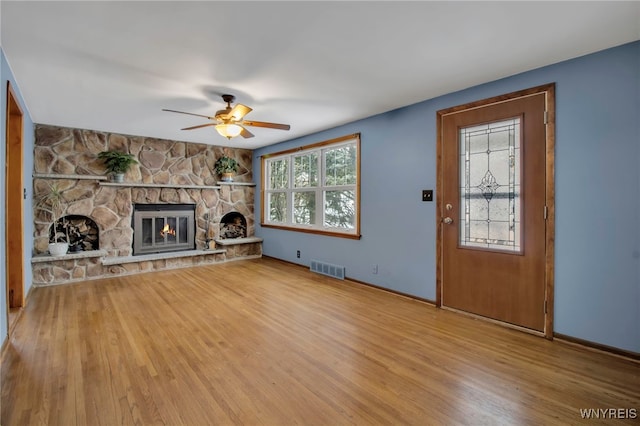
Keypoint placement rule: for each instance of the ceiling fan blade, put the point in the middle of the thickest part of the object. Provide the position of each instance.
(246, 134)
(198, 126)
(189, 113)
(238, 112)
(267, 125)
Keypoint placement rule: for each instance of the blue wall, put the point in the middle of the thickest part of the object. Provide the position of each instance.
(597, 278)
(28, 139)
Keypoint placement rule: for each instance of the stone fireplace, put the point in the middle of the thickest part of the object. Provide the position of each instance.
(161, 228)
(170, 174)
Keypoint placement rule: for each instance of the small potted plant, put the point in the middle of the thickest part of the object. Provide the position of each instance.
(226, 167)
(54, 203)
(117, 163)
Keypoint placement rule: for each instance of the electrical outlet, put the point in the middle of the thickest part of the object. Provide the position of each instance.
(427, 195)
(374, 269)
(298, 254)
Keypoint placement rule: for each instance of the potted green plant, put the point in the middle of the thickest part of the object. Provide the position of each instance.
(226, 167)
(54, 203)
(117, 163)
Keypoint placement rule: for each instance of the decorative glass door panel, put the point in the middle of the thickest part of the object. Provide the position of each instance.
(490, 215)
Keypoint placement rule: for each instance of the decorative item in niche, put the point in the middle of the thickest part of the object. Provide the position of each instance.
(81, 232)
(54, 203)
(117, 163)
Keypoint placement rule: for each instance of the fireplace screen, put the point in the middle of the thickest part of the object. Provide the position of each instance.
(163, 228)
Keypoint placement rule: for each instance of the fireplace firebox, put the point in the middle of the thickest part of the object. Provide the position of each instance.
(161, 228)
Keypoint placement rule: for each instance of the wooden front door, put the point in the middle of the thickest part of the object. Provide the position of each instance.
(495, 197)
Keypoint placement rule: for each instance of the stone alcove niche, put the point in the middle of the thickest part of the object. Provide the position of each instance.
(233, 225)
(82, 232)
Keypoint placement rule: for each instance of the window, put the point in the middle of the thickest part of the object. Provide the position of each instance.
(314, 188)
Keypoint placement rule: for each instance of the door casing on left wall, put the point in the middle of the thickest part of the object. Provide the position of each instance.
(14, 205)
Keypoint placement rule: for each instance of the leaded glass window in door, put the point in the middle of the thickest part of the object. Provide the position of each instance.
(490, 186)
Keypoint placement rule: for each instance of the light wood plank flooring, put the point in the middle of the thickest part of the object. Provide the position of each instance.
(264, 342)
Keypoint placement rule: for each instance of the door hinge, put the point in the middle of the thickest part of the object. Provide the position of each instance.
(546, 212)
(24, 193)
(546, 117)
(545, 306)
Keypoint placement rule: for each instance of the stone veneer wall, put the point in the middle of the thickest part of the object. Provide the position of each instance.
(66, 151)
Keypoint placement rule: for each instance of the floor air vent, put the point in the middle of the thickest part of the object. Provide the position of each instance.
(328, 269)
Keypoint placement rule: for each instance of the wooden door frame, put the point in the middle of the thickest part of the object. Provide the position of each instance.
(14, 214)
(549, 91)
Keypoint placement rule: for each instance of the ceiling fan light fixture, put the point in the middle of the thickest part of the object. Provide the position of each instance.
(229, 130)
(229, 122)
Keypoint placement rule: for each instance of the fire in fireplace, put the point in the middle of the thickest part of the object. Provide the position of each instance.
(160, 228)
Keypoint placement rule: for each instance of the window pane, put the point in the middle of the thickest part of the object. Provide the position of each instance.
(490, 186)
(305, 170)
(304, 207)
(279, 174)
(278, 207)
(340, 166)
(340, 209)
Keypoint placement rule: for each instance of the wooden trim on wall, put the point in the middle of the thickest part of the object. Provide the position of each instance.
(364, 283)
(313, 145)
(550, 235)
(439, 207)
(312, 231)
(635, 356)
(394, 292)
(14, 203)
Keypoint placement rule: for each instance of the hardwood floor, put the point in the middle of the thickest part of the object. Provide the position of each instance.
(264, 342)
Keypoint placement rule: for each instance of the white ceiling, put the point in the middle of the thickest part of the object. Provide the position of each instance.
(113, 66)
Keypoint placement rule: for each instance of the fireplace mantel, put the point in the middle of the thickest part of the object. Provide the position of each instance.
(157, 185)
(102, 182)
(59, 176)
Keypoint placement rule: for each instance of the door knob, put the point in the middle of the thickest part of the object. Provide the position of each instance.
(447, 220)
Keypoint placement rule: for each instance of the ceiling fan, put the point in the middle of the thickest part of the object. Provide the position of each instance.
(229, 121)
